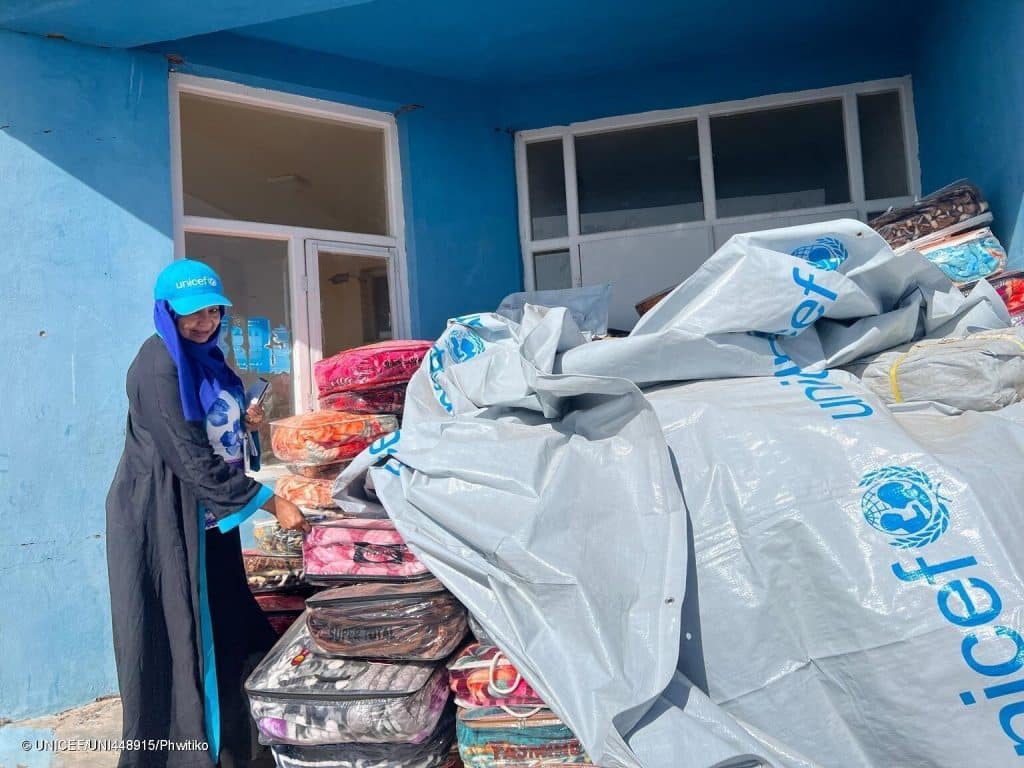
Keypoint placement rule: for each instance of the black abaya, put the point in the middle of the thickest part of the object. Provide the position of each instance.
(167, 470)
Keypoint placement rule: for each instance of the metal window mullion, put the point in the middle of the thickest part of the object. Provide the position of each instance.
(302, 364)
(707, 168)
(525, 222)
(854, 162)
(910, 146)
(177, 182)
(572, 207)
(311, 285)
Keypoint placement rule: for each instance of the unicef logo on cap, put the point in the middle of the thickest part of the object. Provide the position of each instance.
(902, 502)
(826, 253)
(463, 344)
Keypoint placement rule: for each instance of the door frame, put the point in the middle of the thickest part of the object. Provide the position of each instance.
(311, 284)
(297, 237)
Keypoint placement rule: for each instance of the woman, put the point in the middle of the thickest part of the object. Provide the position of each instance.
(186, 627)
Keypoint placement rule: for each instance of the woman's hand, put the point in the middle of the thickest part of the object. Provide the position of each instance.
(289, 516)
(254, 417)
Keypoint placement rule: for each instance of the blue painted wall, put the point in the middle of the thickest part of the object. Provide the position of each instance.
(734, 73)
(969, 95)
(458, 170)
(86, 225)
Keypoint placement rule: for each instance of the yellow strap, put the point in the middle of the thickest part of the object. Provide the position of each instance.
(893, 382)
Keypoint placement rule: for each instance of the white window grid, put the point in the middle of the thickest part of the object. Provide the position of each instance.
(304, 243)
(702, 115)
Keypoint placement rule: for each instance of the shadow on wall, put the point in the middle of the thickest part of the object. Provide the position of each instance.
(86, 226)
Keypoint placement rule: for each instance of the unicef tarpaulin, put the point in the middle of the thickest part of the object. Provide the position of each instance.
(753, 561)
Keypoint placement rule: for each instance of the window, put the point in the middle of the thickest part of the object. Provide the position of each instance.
(546, 170)
(638, 178)
(780, 159)
(552, 270)
(686, 180)
(882, 145)
(251, 163)
(296, 203)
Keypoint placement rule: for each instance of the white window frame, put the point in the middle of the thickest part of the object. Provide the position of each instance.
(702, 116)
(392, 246)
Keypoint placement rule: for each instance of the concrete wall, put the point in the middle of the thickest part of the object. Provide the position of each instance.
(969, 93)
(86, 225)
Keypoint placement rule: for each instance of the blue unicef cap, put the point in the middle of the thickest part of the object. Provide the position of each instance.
(189, 286)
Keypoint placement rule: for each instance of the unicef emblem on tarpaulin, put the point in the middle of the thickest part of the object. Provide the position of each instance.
(463, 344)
(902, 502)
(826, 253)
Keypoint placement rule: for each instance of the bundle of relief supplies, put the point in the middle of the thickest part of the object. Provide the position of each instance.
(370, 379)
(950, 228)
(317, 447)
(415, 621)
(501, 721)
(277, 582)
(1010, 287)
(982, 371)
(326, 437)
(361, 681)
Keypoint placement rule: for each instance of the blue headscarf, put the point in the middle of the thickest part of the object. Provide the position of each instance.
(202, 371)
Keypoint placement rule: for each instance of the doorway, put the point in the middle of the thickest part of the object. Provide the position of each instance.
(296, 203)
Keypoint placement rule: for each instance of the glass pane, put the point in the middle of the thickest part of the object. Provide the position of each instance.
(546, 173)
(355, 301)
(257, 164)
(256, 334)
(780, 159)
(552, 270)
(639, 178)
(882, 147)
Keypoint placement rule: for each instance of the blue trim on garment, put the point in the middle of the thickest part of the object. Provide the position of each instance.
(232, 521)
(211, 697)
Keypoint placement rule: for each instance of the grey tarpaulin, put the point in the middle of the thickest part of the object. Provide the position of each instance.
(588, 306)
(532, 476)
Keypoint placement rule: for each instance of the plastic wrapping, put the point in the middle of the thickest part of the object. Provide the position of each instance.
(326, 437)
(306, 491)
(370, 367)
(434, 752)
(943, 208)
(479, 632)
(358, 550)
(414, 621)
(980, 372)
(493, 738)
(384, 400)
(454, 759)
(319, 471)
(968, 256)
(481, 676)
(1011, 291)
(281, 610)
(272, 573)
(272, 539)
(299, 697)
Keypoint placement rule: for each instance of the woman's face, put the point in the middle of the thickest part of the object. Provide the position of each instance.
(200, 326)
